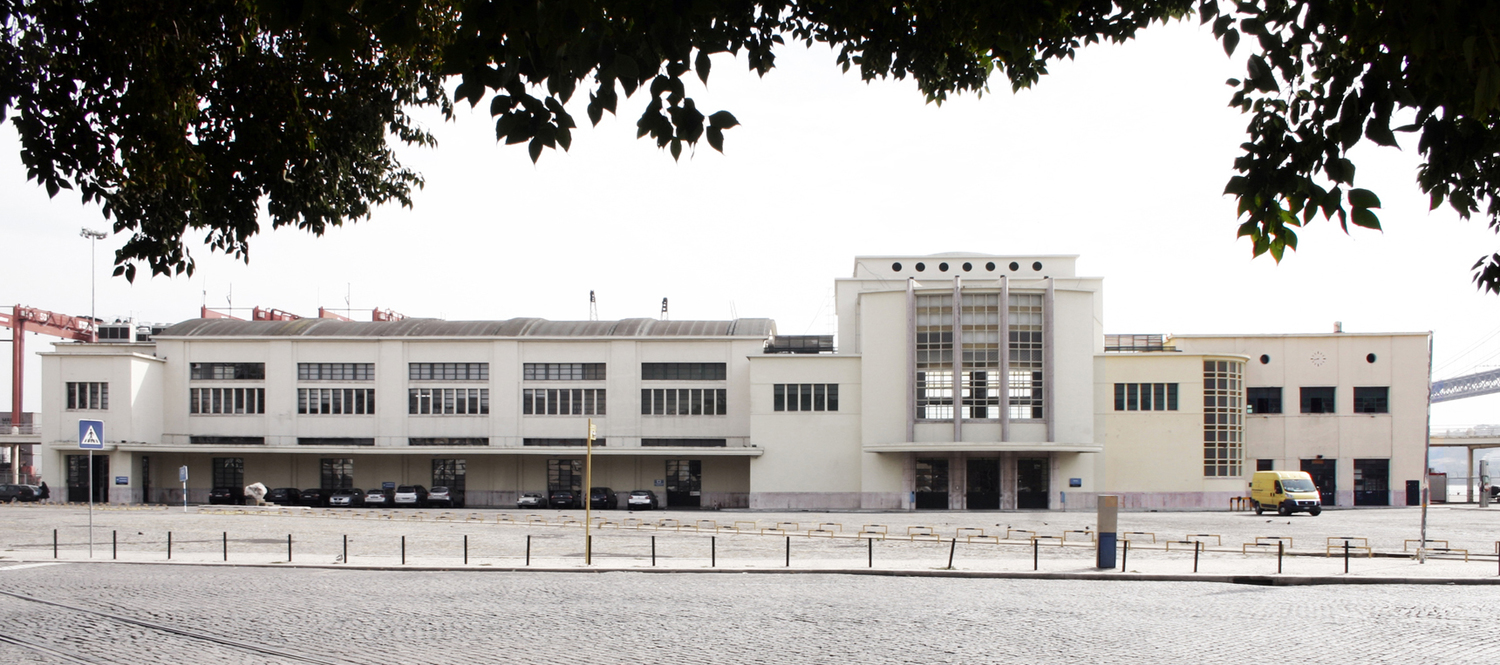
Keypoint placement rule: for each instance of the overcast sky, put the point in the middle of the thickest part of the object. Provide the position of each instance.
(1119, 157)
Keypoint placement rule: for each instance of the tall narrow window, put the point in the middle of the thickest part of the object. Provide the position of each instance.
(981, 354)
(1026, 356)
(1223, 418)
(934, 318)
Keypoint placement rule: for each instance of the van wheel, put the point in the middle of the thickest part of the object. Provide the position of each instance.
(1282, 510)
(1315, 510)
(1258, 508)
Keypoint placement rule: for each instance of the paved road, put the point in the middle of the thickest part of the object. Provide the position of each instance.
(359, 616)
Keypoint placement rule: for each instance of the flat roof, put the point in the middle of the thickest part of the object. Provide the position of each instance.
(438, 328)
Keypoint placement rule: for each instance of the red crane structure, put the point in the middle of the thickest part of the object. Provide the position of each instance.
(23, 320)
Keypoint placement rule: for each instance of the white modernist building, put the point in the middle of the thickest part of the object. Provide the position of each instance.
(960, 381)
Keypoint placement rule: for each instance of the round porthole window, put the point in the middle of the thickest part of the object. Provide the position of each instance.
(943, 266)
(1265, 359)
(968, 266)
(1370, 358)
(1036, 266)
(896, 266)
(1014, 266)
(990, 266)
(921, 267)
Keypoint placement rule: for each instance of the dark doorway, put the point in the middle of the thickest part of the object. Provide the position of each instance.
(1032, 484)
(932, 484)
(1413, 492)
(684, 483)
(984, 484)
(145, 479)
(1324, 477)
(1372, 482)
(78, 478)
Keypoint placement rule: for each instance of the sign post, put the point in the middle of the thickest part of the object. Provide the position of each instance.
(588, 497)
(182, 477)
(91, 438)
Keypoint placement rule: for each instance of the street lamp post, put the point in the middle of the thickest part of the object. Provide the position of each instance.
(94, 237)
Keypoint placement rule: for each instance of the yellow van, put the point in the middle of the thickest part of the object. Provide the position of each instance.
(1286, 491)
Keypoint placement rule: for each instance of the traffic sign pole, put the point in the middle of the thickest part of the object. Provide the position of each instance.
(91, 438)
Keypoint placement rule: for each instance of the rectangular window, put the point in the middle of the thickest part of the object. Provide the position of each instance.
(559, 442)
(562, 401)
(450, 473)
(1223, 418)
(335, 371)
(1318, 400)
(335, 441)
(684, 371)
(228, 371)
(448, 371)
(226, 401)
(1264, 465)
(1145, 397)
(336, 401)
(688, 443)
(447, 441)
(229, 472)
(1263, 400)
(448, 401)
(564, 474)
(88, 396)
(337, 474)
(1026, 355)
(934, 352)
(979, 384)
(227, 440)
(805, 397)
(563, 372)
(683, 402)
(1374, 399)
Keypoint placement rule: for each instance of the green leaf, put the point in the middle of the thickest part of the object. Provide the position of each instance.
(535, 148)
(703, 65)
(676, 149)
(716, 138)
(1231, 39)
(722, 120)
(1363, 198)
(1363, 217)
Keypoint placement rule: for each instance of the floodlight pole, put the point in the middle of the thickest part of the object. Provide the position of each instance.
(1426, 457)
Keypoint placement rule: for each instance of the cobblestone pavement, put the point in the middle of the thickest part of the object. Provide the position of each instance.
(362, 616)
(260, 537)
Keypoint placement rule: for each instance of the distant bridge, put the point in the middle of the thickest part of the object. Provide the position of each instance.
(1472, 385)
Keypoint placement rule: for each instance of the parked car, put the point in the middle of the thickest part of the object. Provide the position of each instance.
(315, 496)
(531, 500)
(603, 498)
(347, 498)
(284, 496)
(22, 493)
(234, 496)
(446, 497)
(411, 495)
(377, 498)
(563, 499)
(642, 500)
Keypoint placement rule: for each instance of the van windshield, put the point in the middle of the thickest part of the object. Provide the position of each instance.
(1298, 485)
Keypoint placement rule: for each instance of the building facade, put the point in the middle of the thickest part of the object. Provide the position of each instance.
(959, 381)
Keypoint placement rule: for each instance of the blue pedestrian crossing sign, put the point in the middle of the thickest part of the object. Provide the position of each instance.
(91, 434)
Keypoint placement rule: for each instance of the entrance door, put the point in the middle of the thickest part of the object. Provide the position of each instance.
(145, 479)
(1324, 477)
(932, 484)
(984, 484)
(1372, 482)
(684, 483)
(1032, 484)
(78, 478)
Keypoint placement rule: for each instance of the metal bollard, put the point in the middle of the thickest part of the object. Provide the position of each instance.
(466, 549)
(226, 545)
(713, 552)
(951, 548)
(1035, 554)
(54, 543)
(114, 544)
(289, 548)
(653, 551)
(403, 550)
(169, 545)
(1346, 557)
(528, 548)
(1197, 547)
(1124, 558)
(788, 551)
(1280, 550)
(588, 549)
(346, 549)
(870, 550)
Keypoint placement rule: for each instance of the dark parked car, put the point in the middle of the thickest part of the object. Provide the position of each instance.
(377, 498)
(603, 498)
(531, 500)
(234, 496)
(284, 496)
(564, 499)
(642, 500)
(411, 495)
(348, 498)
(446, 497)
(315, 496)
(22, 493)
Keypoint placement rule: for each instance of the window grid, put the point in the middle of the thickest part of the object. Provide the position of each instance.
(335, 371)
(226, 401)
(228, 371)
(980, 382)
(684, 402)
(229, 472)
(88, 396)
(1263, 400)
(1372, 400)
(447, 441)
(337, 474)
(563, 372)
(562, 402)
(805, 397)
(1026, 356)
(1145, 397)
(683, 371)
(1319, 400)
(1223, 418)
(336, 401)
(448, 401)
(448, 371)
(934, 323)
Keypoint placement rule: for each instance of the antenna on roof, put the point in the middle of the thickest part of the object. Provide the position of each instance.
(593, 307)
(664, 309)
